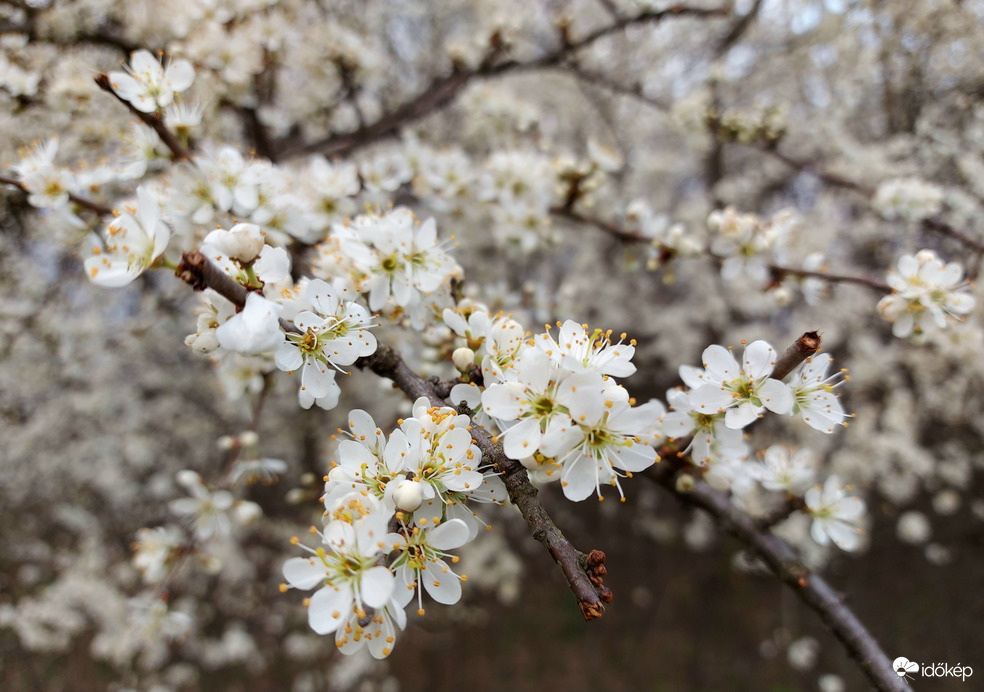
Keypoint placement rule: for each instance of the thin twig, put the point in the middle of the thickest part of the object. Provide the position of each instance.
(443, 90)
(100, 209)
(737, 30)
(152, 120)
(804, 347)
(938, 226)
(779, 271)
(387, 363)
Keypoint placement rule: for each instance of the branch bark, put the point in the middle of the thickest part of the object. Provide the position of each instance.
(152, 120)
(100, 209)
(810, 587)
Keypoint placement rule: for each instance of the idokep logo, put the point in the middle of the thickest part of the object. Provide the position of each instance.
(905, 668)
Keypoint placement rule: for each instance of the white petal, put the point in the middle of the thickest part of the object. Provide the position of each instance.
(441, 583)
(329, 607)
(303, 572)
(776, 396)
(578, 478)
(376, 586)
(449, 535)
(758, 359)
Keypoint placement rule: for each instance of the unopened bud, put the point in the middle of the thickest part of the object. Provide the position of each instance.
(463, 358)
(685, 483)
(408, 496)
(188, 478)
(246, 512)
(249, 438)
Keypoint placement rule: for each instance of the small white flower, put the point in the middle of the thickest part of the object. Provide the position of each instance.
(346, 565)
(205, 510)
(134, 240)
(783, 470)
(332, 333)
(813, 393)
(420, 565)
(910, 199)
(154, 550)
(743, 392)
(254, 330)
(149, 85)
(836, 516)
(925, 293)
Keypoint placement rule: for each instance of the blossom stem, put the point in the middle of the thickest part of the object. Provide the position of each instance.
(152, 120)
(100, 209)
(800, 350)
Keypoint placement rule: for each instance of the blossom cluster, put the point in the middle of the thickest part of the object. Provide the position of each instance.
(925, 292)
(394, 506)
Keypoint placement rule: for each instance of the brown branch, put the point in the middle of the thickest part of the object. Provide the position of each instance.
(622, 234)
(599, 80)
(802, 348)
(737, 30)
(780, 271)
(444, 89)
(815, 170)
(387, 363)
(781, 513)
(152, 120)
(105, 37)
(811, 588)
(100, 209)
(627, 236)
(778, 556)
(942, 228)
(195, 269)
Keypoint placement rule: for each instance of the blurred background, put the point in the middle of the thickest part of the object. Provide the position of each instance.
(798, 111)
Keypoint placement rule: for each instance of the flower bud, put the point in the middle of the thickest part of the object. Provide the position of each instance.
(408, 496)
(463, 358)
(249, 438)
(188, 478)
(684, 483)
(244, 241)
(246, 513)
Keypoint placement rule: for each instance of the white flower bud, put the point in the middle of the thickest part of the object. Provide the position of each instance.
(188, 478)
(255, 330)
(244, 241)
(463, 358)
(249, 438)
(913, 527)
(225, 443)
(684, 483)
(408, 496)
(246, 513)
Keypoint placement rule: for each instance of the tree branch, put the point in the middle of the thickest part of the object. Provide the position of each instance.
(780, 558)
(444, 89)
(811, 588)
(779, 271)
(152, 120)
(100, 209)
(387, 363)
